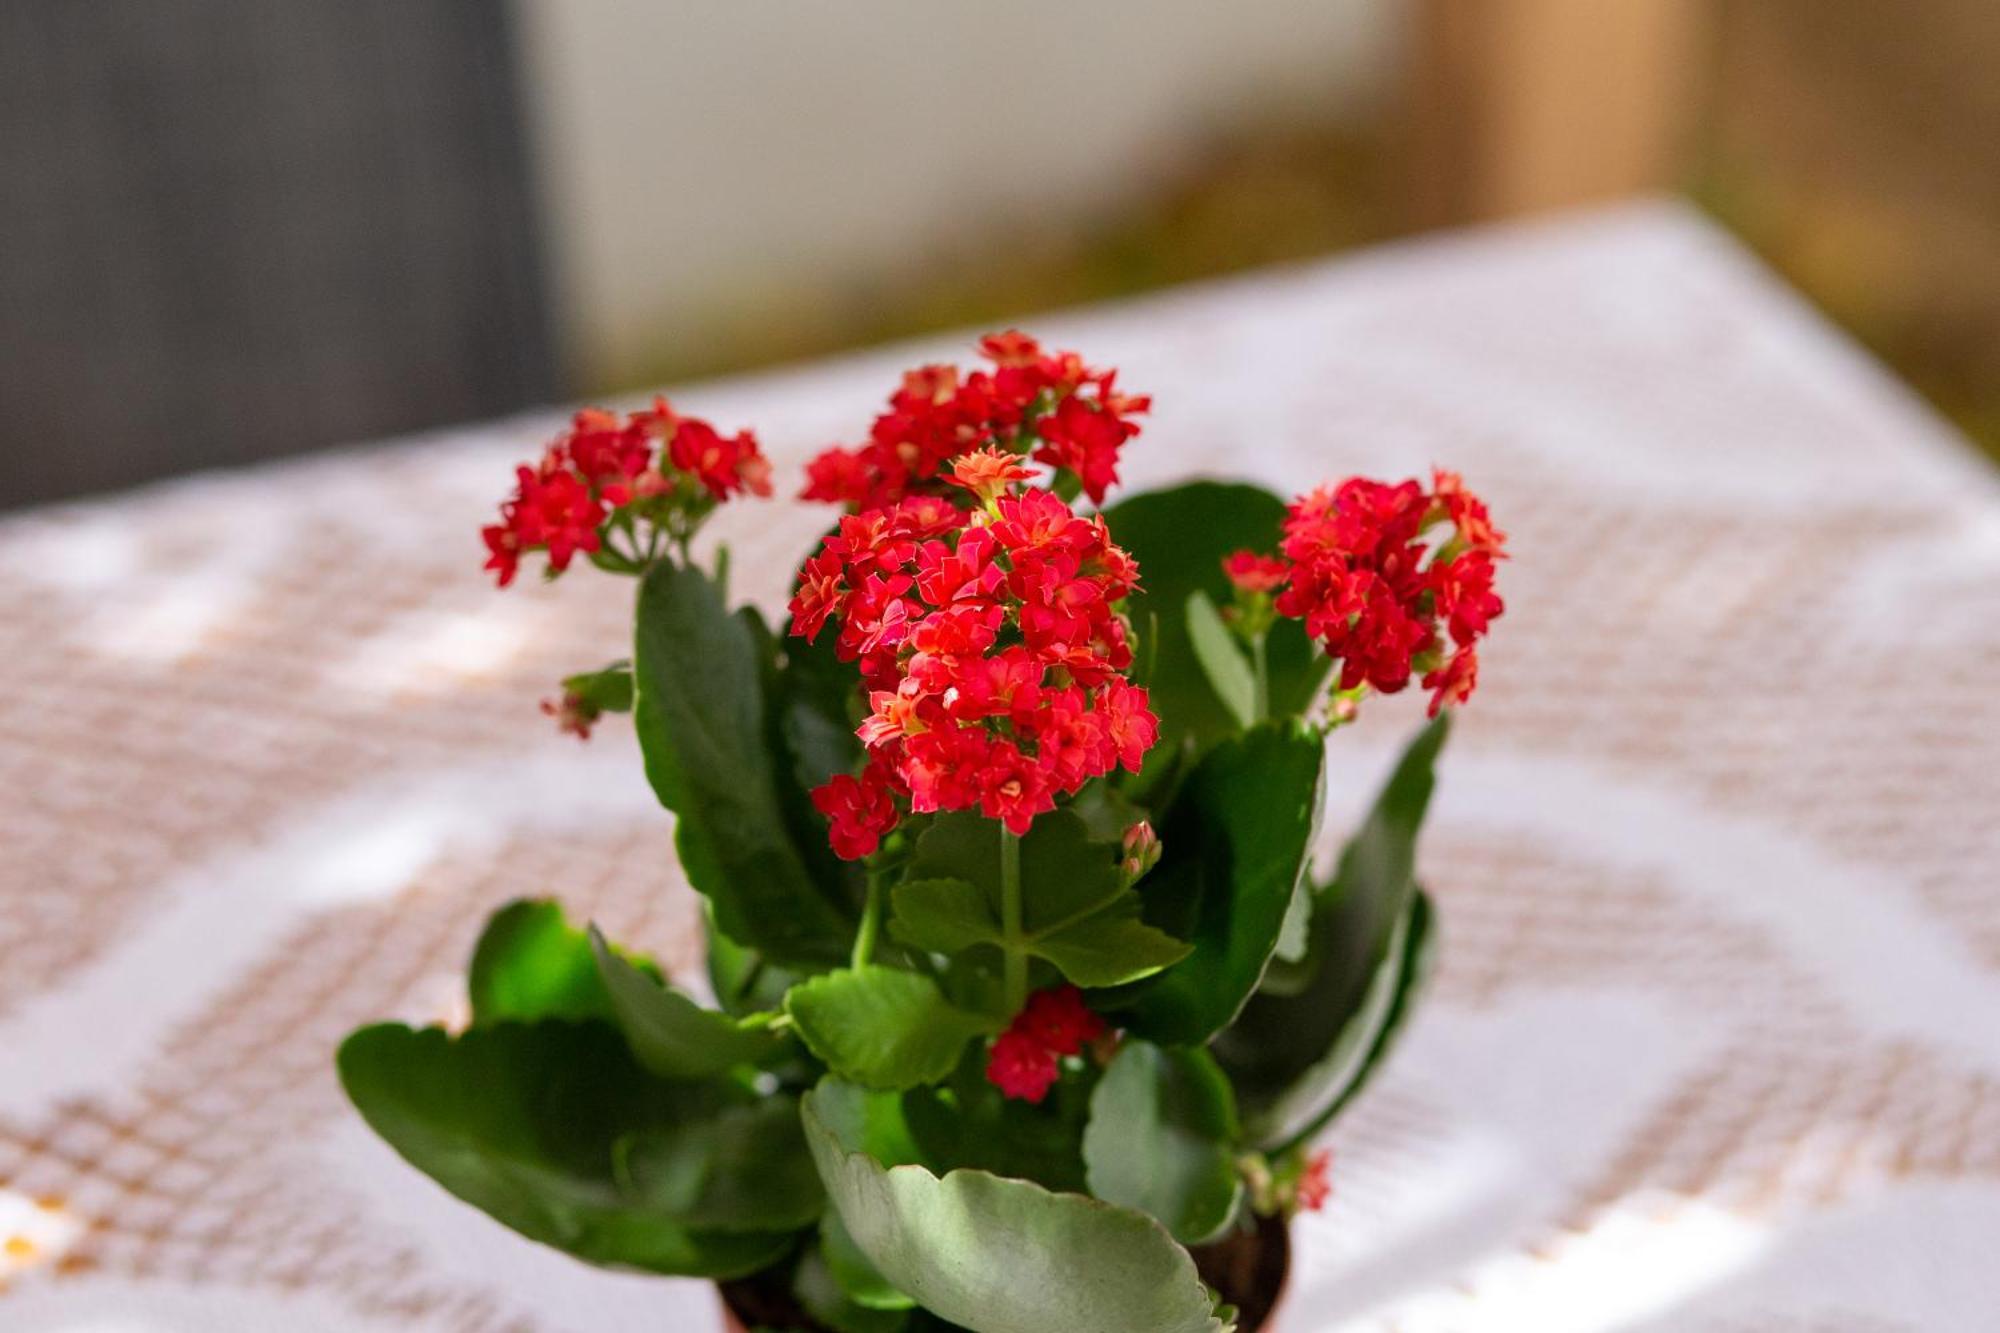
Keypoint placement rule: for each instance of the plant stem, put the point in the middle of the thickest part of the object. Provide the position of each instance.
(1016, 975)
(1260, 699)
(871, 921)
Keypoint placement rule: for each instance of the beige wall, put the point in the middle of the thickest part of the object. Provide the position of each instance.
(701, 157)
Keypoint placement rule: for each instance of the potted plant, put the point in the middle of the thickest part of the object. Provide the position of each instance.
(1027, 1003)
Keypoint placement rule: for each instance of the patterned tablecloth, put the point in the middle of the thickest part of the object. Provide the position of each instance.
(1715, 1042)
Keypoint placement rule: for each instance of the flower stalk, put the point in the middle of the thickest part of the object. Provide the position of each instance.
(1015, 976)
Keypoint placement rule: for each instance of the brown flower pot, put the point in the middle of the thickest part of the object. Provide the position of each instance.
(1248, 1267)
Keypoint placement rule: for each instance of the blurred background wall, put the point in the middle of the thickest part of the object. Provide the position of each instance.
(231, 229)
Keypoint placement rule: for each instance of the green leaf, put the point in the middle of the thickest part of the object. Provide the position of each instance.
(669, 1033)
(880, 1027)
(1229, 675)
(701, 717)
(810, 738)
(1075, 913)
(1179, 537)
(850, 1268)
(1297, 1053)
(1007, 1256)
(744, 1169)
(1162, 1138)
(821, 695)
(529, 964)
(943, 915)
(819, 1290)
(744, 981)
(525, 1122)
(966, 1122)
(1235, 843)
(607, 691)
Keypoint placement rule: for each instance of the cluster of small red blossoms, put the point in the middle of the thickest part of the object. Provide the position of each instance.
(602, 464)
(1359, 578)
(991, 650)
(1046, 405)
(1027, 1058)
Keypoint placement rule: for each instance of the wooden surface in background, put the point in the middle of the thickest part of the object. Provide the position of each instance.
(1520, 106)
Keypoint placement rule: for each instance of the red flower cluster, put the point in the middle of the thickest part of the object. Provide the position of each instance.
(991, 650)
(1046, 404)
(1027, 1058)
(602, 464)
(1249, 572)
(1360, 580)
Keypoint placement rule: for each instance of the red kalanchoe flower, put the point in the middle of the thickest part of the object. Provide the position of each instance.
(991, 649)
(1315, 1185)
(574, 714)
(552, 510)
(1452, 683)
(1047, 405)
(1058, 1019)
(601, 465)
(859, 812)
(1021, 1067)
(1384, 591)
(988, 473)
(1027, 1058)
(1251, 572)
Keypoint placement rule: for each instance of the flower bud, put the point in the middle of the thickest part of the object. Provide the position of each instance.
(1142, 851)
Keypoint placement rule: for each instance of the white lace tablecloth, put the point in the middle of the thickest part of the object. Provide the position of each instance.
(1715, 1042)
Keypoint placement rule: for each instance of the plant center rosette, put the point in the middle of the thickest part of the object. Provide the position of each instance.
(1026, 999)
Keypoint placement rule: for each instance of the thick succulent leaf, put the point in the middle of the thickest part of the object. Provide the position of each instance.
(1292, 1054)
(525, 1122)
(819, 1291)
(1234, 845)
(744, 981)
(1006, 1256)
(530, 964)
(1179, 537)
(880, 1027)
(608, 691)
(669, 1033)
(1222, 660)
(1162, 1139)
(821, 693)
(703, 722)
(745, 1168)
(806, 691)
(858, 1280)
(1074, 911)
(967, 1123)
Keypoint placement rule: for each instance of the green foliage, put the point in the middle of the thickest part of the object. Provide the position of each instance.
(1236, 842)
(1296, 1055)
(596, 1108)
(966, 1122)
(704, 724)
(530, 963)
(743, 1169)
(858, 1279)
(819, 1290)
(1179, 536)
(530, 1124)
(1222, 661)
(880, 1027)
(1075, 912)
(1004, 1256)
(606, 691)
(1162, 1139)
(668, 1032)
